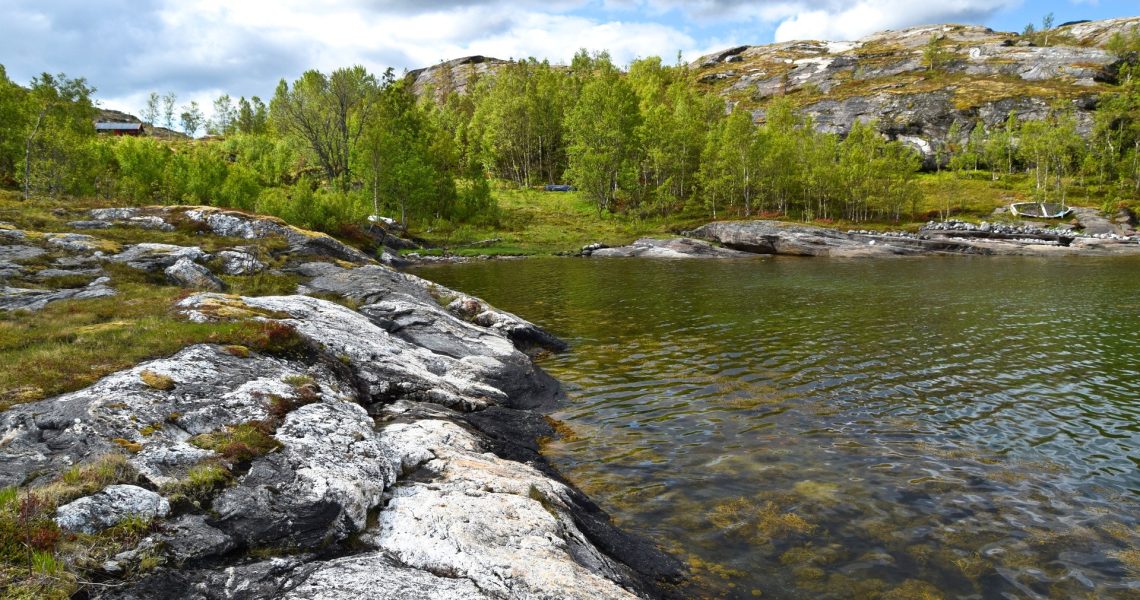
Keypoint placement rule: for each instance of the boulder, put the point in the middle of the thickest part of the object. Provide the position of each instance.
(77, 242)
(113, 505)
(153, 257)
(189, 274)
(238, 262)
(12, 298)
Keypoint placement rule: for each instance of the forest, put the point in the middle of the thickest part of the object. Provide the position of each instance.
(329, 149)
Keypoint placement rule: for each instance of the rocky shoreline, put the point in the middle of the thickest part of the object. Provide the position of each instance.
(382, 441)
(1096, 236)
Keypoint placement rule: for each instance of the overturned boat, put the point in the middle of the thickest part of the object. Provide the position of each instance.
(1040, 210)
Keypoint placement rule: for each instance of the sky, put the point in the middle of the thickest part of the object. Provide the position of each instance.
(200, 49)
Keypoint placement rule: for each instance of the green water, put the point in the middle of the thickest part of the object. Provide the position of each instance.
(814, 428)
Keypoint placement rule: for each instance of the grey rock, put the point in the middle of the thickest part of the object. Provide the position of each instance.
(155, 257)
(236, 262)
(772, 237)
(212, 389)
(331, 471)
(12, 235)
(92, 514)
(20, 253)
(74, 242)
(191, 538)
(149, 222)
(1093, 222)
(91, 224)
(672, 248)
(12, 298)
(52, 273)
(114, 214)
(189, 274)
(376, 576)
(301, 243)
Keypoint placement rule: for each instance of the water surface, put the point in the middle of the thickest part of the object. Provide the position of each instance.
(816, 428)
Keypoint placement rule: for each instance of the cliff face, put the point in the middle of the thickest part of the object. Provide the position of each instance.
(976, 75)
(379, 440)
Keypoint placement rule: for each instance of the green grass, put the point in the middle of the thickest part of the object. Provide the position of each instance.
(37, 560)
(538, 222)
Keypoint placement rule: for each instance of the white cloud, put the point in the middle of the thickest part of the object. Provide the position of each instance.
(200, 48)
(849, 21)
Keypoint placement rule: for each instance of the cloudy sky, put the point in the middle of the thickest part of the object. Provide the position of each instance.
(200, 49)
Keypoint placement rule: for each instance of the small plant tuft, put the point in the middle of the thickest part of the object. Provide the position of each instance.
(156, 380)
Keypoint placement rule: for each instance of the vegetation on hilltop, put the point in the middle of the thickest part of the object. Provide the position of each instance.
(650, 142)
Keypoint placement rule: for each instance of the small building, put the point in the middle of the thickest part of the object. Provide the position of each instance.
(110, 128)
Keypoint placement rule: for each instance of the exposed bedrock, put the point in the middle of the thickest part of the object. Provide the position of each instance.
(391, 451)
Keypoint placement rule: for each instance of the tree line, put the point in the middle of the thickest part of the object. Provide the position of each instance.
(330, 148)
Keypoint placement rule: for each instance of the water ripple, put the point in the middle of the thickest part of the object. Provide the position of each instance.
(835, 429)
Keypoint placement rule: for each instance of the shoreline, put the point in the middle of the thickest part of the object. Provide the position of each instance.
(381, 437)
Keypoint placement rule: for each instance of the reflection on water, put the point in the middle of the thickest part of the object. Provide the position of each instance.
(958, 428)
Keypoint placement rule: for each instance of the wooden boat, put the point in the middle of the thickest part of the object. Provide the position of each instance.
(1040, 210)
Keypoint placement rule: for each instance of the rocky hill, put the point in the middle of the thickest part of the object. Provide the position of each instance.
(978, 75)
(366, 434)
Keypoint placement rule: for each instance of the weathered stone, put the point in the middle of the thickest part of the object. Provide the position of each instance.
(76, 242)
(301, 243)
(377, 577)
(113, 214)
(235, 262)
(537, 551)
(110, 507)
(54, 273)
(672, 248)
(772, 237)
(32, 299)
(155, 257)
(91, 224)
(19, 253)
(189, 274)
(331, 471)
(441, 387)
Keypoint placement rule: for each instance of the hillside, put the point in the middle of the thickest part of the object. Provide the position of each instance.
(979, 75)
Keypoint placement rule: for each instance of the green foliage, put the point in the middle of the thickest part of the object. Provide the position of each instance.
(603, 137)
(328, 113)
(934, 54)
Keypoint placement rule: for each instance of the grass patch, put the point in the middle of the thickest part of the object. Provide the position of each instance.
(538, 222)
(239, 443)
(71, 344)
(37, 560)
(156, 381)
(262, 284)
(201, 484)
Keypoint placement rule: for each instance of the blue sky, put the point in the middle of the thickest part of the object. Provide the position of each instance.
(200, 49)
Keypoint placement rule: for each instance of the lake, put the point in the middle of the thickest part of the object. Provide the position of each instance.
(816, 428)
